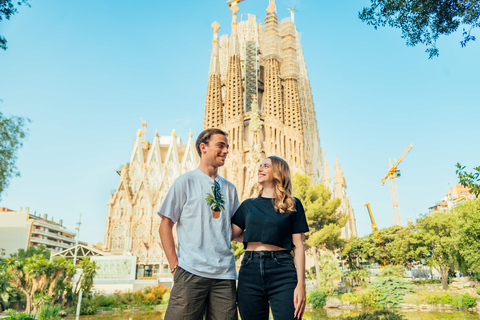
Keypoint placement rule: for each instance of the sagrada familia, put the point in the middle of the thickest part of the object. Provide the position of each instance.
(259, 93)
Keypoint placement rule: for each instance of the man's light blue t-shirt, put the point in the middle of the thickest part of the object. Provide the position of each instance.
(204, 247)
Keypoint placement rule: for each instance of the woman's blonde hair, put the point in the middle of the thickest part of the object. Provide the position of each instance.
(284, 201)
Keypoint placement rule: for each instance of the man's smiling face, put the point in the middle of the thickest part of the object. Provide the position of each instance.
(215, 150)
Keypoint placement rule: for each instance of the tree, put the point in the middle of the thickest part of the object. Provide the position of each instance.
(329, 271)
(424, 21)
(467, 215)
(8, 9)
(12, 133)
(323, 217)
(437, 243)
(469, 180)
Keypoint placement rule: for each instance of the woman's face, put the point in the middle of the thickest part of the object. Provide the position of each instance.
(265, 172)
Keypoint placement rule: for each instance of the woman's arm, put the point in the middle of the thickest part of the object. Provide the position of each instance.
(237, 233)
(299, 293)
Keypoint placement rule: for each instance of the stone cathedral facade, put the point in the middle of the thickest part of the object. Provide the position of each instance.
(259, 93)
(132, 221)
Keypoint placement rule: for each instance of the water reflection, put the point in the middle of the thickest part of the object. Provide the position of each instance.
(309, 315)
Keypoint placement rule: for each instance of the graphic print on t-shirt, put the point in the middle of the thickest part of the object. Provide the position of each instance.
(216, 200)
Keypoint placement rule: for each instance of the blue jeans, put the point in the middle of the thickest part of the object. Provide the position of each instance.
(266, 279)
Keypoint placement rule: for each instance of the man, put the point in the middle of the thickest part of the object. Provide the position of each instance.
(201, 203)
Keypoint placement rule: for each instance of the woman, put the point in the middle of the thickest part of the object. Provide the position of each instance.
(274, 224)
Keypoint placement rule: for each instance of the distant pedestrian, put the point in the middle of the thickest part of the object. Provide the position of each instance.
(201, 203)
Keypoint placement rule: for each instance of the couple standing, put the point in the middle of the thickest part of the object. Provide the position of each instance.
(271, 226)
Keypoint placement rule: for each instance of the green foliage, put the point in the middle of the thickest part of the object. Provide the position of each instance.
(369, 298)
(424, 21)
(350, 297)
(316, 298)
(393, 271)
(470, 180)
(391, 290)
(435, 298)
(324, 220)
(428, 281)
(377, 315)
(19, 316)
(12, 133)
(88, 306)
(7, 10)
(329, 271)
(49, 312)
(42, 299)
(467, 300)
(356, 276)
(478, 291)
(215, 200)
(467, 231)
(238, 249)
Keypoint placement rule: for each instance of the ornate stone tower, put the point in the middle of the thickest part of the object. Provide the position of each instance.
(260, 72)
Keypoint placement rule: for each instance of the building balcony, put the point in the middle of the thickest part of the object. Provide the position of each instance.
(52, 226)
(53, 235)
(50, 243)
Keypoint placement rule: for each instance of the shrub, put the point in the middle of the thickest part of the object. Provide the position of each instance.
(317, 298)
(429, 281)
(350, 297)
(88, 306)
(19, 316)
(49, 312)
(368, 298)
(478, 290)
(391, 290)
(467, 300)
(150, 296)
(377, 315)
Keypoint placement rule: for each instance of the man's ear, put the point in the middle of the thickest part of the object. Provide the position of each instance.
(203, 148)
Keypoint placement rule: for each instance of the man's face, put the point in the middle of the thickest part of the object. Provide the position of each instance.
(216, 150)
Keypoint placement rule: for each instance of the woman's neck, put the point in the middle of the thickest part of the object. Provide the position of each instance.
(268, 192)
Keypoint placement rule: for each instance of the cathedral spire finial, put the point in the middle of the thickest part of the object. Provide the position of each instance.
(215, 27)
(272, 9)
(234, 9)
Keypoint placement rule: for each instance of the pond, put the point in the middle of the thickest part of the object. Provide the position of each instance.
(316, 314)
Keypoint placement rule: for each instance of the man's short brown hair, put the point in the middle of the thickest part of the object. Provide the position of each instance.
(205, 136)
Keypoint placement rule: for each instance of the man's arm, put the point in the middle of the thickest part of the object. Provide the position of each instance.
(168, 243)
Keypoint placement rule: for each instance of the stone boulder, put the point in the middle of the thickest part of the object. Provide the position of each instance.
(333, 303)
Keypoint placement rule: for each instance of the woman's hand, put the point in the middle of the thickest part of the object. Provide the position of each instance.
(299, 300)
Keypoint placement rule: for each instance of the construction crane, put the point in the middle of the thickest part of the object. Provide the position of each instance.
(392, 174)
(230, 2)
(372, 220)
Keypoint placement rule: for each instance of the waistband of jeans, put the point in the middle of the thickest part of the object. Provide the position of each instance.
(268, 254)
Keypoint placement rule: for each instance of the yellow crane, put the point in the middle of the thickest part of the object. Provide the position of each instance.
(372, 220)
(392, 174)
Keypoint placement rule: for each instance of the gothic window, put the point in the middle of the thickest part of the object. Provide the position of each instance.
(121, 201)
(135, 173)
(153, 173)
(142, 202)
(118, 237)
(139, 234)
(154, 158)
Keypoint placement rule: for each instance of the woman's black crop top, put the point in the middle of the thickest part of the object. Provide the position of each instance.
(262, 223)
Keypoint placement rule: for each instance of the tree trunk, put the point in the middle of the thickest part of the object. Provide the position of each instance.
(317, 266)
(28, 302)
(444, 272)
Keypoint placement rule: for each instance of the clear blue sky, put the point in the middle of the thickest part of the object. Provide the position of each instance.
(85, 72)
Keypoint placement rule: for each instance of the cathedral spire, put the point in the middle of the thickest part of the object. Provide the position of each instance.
(213, 104)
(234, 46)
(215, 62)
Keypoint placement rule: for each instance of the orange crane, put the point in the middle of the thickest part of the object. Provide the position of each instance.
(372, 220)
(392, 174)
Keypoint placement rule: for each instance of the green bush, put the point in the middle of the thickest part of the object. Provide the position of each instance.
(49, 312)
(19, 316)
(429, 281)
(478, 290)
(377, 315)
(467, 300)
(317, 298)
(368, 298)
(350, 297)
(391, 290)
(88, 306)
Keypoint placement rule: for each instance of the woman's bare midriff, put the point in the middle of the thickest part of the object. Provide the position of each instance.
(258, 246)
